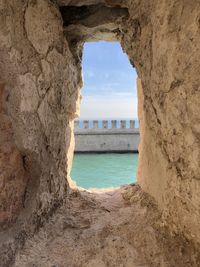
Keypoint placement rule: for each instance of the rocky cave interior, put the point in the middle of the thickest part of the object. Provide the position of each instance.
(40, 215)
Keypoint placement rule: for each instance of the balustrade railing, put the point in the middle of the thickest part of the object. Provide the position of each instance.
(105, 124)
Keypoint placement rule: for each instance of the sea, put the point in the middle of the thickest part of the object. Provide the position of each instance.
(105, 170)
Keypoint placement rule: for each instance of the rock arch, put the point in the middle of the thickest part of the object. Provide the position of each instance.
(40, 66)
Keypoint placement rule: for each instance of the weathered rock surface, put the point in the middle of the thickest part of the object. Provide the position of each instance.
(40, 67)
(90, 2)
(42, 80)
(104, 230)
(12, 172)
(162, 39)
(92, 23)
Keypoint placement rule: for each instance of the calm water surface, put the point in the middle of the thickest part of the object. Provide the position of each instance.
(104, 170)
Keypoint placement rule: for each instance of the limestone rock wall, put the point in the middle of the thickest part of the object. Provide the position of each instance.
(42, 80)
(39, 98)
(162, 40)
(12, 169)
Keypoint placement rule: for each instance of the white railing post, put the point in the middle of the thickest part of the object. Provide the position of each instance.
(105, 124)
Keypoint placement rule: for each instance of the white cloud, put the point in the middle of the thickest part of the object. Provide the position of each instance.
(118, 106)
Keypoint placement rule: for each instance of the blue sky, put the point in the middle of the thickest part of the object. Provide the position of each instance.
(109, 89)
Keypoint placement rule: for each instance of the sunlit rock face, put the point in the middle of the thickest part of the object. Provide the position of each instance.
(40, 71)
(42, 81)
(163, 42)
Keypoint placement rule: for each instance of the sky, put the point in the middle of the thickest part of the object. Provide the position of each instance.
(109, 90)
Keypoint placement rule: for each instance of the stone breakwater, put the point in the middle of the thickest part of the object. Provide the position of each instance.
(122, 137)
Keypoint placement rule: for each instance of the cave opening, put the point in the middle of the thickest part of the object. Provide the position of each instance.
(107, 131)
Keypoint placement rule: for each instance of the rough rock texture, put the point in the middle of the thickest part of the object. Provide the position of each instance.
(163, 45)
(40, 77)
(103, 230)
(42, 80)
(12, 172)
(92, 23)
(162, 39)
(90, 2)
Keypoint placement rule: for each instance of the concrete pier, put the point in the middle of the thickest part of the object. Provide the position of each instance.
(105, 139)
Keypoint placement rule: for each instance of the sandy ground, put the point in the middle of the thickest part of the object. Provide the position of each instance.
(120, 228)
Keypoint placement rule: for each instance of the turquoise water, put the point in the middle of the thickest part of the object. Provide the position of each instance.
(104, 170)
